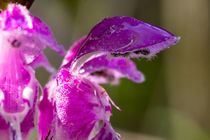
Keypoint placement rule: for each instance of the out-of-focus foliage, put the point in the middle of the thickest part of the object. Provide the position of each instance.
(71, 6)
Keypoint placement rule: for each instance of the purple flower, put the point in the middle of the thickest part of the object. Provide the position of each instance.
(73, 105)
(23, 37)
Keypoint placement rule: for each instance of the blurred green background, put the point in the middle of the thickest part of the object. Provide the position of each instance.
(173, 102)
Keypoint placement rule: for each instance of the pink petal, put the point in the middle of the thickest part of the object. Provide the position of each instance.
(18, 88)
(45, 115)
(23, 37)
(41, 60)
(78, 106)
(105, 69)
(72, 51)
(107, 133)
(126, 36)
(26, 32)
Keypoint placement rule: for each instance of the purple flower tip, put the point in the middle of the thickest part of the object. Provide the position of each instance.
(126, 36)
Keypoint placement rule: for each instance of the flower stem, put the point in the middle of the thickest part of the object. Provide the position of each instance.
(15, 133)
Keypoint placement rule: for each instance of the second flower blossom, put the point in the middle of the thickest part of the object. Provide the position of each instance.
(73, 104)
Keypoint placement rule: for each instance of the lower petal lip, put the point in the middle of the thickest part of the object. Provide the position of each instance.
(79, 103)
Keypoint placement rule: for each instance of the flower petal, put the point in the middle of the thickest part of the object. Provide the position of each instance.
(27, 123)
(41, 60)
(23, 37)
(72, 51)
(18, 91)
(45, 115)
(24, 118)
(4, 128)
(105, 69)
(4, 133)
(45, 35)
(107, 133)
(126, 36)
(79, 105)
(26, 32)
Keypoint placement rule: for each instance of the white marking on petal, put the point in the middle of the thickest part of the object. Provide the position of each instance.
(1, 96)
(51, 89)
(15, 132)
(10, 8)
(10, 116)
(127, 45)
(81, 61)
(28, 95)
(81, 71)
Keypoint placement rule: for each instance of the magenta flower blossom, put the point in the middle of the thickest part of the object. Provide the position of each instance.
(23, 37)
(74, 106)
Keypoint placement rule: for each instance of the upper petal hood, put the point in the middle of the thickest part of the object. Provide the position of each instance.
(119, 37)
(126, 36)
(77, 104)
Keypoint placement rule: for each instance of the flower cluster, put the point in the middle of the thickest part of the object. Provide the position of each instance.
(23, 37)
(73, 105)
